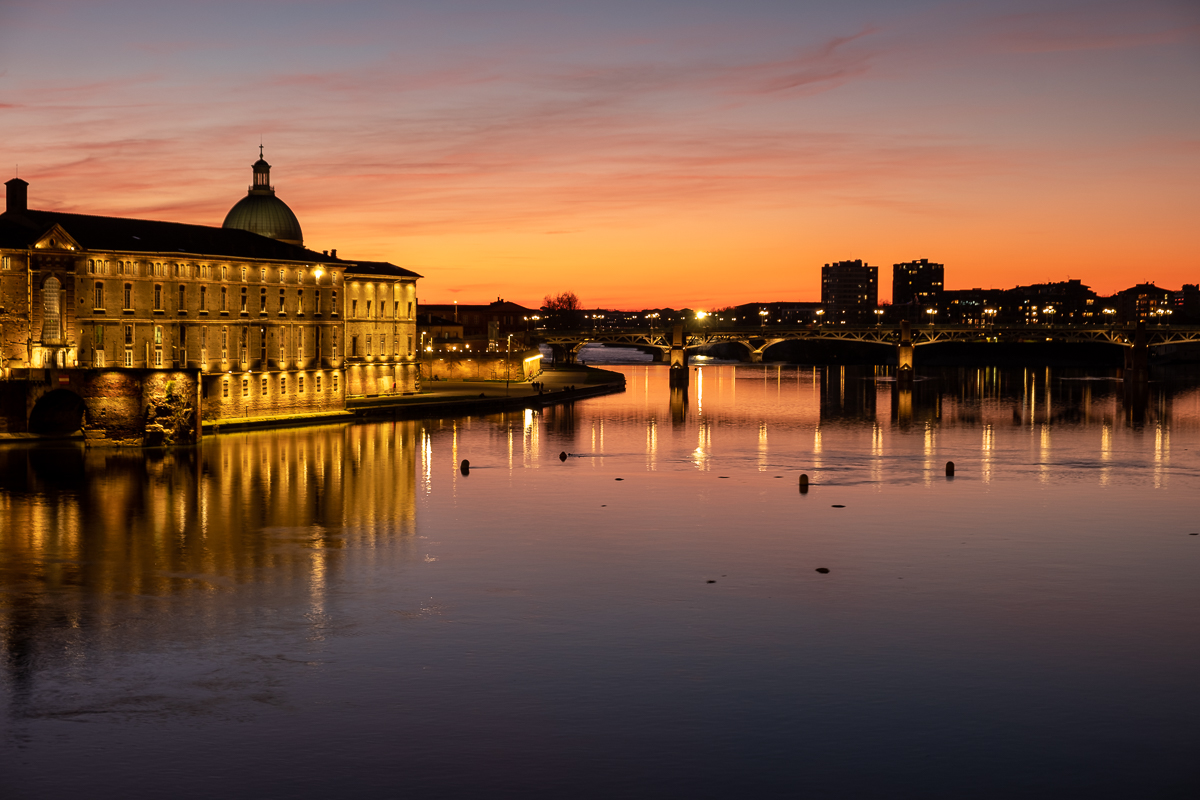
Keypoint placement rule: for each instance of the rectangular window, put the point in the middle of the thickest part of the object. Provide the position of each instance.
(262, 302)
(158, 334)
(262, 274)
(335, 381)
(182, 298)
(410, 310)
(353, 346)
(129, 356)
(158, 357)
(318, 382)
(4, 263)
(265, 386)
(224, 273)
(245, 387)
(262, 344)
(333, 302)
(368, 344)
(410, 343)
(300, 385)
(158, 297)
(243, 307)
(203, 299)
(282, 275)
(128, 335)
(98, 337)
(224, 299)
(368, 309)
(300, 302)
(283, 384)
(99, 298)
(353, 309)
(225, 388)
(396, 345)
(281, 301)
(91, 266)
(243, 274)
(128, 297)
(396, 309)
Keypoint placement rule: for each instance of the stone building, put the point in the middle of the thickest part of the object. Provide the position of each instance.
(849, 291)
(271, 328)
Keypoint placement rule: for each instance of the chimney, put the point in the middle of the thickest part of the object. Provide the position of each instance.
(17, 196)
(333, 252)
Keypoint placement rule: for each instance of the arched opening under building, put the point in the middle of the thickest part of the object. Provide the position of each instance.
(57, 413)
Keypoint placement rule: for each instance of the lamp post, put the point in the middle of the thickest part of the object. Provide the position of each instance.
(762, 313)
(990, 315)
(508, 365)
(931, 312)
(1049, 311)
(878, 317)
(820, 315)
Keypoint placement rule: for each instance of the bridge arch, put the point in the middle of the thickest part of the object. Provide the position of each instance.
(57, 412)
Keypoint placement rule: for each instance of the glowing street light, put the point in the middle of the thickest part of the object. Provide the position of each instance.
(931, 312)
(762, 313)
(878, 317)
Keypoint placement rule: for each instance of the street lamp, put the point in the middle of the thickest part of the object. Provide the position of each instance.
(820, 315)
(762, 313)
(878, 317)
(990, 313)
(508, 365)
(1049, 311)
(931, 312)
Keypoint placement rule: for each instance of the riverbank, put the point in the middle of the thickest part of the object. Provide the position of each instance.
(439, 399)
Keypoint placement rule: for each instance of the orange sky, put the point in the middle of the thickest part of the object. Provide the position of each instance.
(673, 154)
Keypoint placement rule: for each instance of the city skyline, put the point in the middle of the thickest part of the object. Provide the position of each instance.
(695, 156)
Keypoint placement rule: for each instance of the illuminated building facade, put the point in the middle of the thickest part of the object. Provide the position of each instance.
(262, 319)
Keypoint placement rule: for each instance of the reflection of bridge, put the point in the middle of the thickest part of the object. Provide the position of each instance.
(757, 342)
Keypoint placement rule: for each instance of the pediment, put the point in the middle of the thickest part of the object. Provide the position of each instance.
(56, 238)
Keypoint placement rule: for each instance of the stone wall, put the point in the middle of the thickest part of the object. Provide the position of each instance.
(482, 367)
(255, 395)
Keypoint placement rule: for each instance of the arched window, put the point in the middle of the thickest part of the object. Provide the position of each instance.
(51, 311)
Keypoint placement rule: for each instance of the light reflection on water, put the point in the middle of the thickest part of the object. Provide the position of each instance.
(291, 613)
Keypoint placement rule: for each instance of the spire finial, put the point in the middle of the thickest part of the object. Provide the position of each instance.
(260, 150)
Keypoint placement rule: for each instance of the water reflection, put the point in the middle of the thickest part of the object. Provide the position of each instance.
(94, 540)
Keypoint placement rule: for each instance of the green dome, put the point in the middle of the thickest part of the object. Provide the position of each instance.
(261, 212)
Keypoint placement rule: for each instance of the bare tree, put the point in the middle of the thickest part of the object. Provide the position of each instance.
(566, 301)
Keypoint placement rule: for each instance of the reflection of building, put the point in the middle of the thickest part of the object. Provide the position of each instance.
(274, 328)
(849, 291)
(187, 535)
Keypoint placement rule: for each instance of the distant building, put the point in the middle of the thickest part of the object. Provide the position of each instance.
(849, 291)
(1145, 301)
(488, 324)
(1186, 304)
(917, 285)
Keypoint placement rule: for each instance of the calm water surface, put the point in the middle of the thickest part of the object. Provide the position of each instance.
(338, 611)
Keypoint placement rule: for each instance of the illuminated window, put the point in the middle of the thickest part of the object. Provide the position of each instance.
(333, 302)
(300, 302)
(158, 339)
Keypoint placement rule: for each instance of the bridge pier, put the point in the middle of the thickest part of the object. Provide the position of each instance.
(1137, 357)
(756, 356)
(679, 366)
(904, 354)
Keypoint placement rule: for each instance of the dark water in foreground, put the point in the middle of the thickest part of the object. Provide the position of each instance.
(337, 612)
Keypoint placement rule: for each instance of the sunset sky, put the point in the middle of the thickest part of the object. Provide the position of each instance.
(638, 153)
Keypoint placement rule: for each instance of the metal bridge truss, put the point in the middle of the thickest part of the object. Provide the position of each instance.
(757, 342)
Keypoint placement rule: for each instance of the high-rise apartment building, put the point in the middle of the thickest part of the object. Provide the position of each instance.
(849, 291)
(917, 283)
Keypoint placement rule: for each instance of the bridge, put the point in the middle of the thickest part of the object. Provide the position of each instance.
(757, 341)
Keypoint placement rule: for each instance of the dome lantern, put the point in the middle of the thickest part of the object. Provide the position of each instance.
(261, 212)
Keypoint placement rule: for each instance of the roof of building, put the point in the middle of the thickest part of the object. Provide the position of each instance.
(21, 230)
(377, 268)
(265, 214)
(261, 212)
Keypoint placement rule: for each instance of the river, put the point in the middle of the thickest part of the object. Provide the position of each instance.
(339, 611)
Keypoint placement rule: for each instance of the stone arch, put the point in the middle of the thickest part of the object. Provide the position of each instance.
(58, 412)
